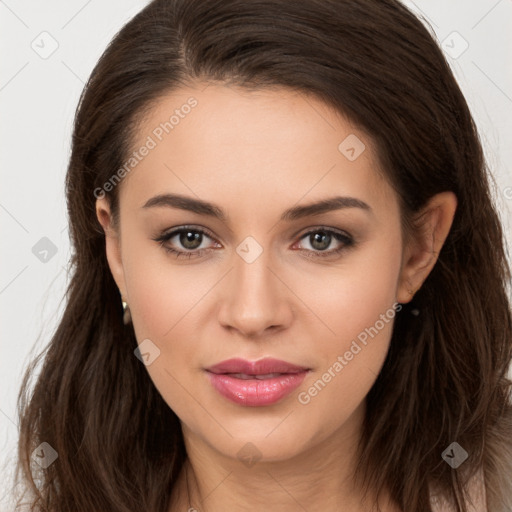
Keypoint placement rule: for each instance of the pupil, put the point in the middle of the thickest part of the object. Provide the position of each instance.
(318, 237)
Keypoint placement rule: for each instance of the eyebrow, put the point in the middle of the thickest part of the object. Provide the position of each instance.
(296, 212)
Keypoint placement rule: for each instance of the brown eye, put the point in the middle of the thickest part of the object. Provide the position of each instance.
(321, 239)
(190, 239)
(184, 242)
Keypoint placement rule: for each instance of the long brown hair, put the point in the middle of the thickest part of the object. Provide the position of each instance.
(119, 445)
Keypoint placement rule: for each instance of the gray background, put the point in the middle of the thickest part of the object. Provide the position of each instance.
(39, 92)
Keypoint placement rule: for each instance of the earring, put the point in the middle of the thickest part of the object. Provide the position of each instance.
(126, 312)
(414, 311)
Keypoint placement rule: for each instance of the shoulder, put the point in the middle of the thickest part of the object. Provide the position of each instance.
(477, 497)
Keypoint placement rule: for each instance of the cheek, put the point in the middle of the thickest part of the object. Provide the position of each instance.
(359, 308)
(165, 300)
(161, 292)
(351, 299)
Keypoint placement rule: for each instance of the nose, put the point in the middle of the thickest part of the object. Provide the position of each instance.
(255, 298)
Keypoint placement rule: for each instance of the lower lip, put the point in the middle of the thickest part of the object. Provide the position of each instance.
(255, 392)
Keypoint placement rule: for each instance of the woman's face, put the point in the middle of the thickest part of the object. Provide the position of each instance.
(316, 290)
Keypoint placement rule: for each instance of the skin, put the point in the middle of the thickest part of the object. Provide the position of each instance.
(255, 154)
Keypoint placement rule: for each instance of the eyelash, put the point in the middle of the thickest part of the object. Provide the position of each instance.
(347, 240)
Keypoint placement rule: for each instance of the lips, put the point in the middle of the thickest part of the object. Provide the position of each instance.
(257, 383)
(258, 368)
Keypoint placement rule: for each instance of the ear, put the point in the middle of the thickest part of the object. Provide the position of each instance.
(420, 253)
(112, 244)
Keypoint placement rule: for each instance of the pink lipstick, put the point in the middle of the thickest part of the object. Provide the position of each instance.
(255, 383)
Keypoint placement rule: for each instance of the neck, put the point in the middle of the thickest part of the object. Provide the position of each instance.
(318, 478)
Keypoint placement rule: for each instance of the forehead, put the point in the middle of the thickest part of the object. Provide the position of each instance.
(217, 141)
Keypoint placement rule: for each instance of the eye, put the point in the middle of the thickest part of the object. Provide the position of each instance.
(321, 238)
(190, 238)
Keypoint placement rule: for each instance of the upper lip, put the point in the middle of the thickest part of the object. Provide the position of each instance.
(261, 367)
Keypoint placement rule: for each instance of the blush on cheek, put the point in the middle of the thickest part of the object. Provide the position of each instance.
(152, 312)
(154, 291)
(366, 329)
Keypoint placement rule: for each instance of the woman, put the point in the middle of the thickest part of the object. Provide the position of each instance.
(289, 287)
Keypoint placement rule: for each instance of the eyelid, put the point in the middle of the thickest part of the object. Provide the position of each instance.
(347, 241)
(206, 231)
(330, 229)
(172, 232)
